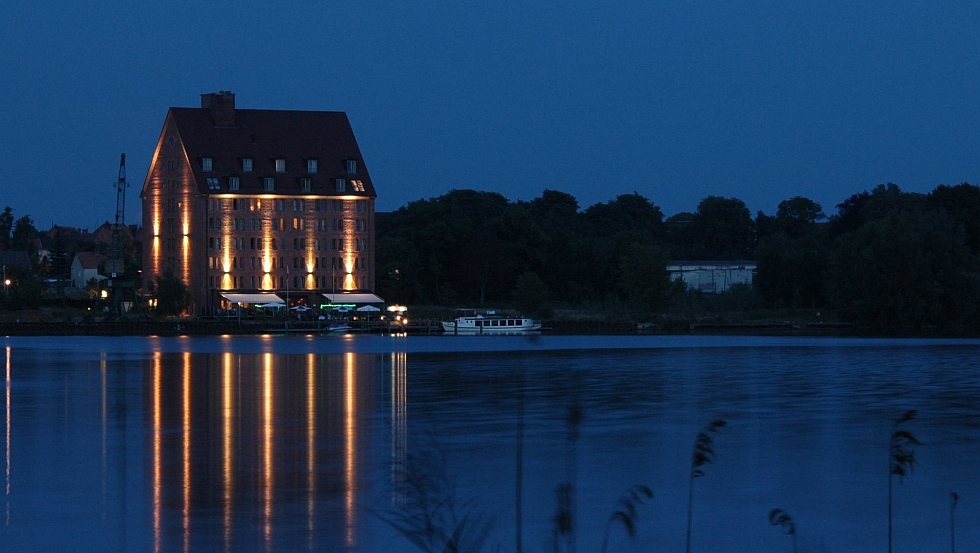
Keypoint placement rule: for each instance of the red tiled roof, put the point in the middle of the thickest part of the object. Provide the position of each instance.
(264, 136)
(89, 260)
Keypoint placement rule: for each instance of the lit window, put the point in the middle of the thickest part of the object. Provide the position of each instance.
(280, 165)
(351, 166)
(311, 166)
(247, 164)
(341, 185)
(206, 163)
(358, 185)
(232, 183)
(305, 184)
(268, 184)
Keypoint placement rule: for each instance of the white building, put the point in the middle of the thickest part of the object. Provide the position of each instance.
(712, 277)
(84, 268)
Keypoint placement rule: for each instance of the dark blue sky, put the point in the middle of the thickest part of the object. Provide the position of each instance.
(677, 100)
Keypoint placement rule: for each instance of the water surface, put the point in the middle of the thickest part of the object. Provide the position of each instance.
(301, 444)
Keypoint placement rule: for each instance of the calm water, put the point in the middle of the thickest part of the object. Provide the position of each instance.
(302, 444)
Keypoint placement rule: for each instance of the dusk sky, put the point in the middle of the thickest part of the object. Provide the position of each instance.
(674, 99)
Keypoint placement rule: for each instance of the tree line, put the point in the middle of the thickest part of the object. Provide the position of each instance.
(886, 258)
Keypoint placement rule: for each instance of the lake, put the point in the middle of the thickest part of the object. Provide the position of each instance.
(272, 444)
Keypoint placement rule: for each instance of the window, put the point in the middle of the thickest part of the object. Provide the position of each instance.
(305, 184)
(280, 165)
(246, 164)
(351, 166)
(213, 183)
(206, 163)
(232, 183)
(358, 185)
(268, 184)
(341, 185)
(311, 166)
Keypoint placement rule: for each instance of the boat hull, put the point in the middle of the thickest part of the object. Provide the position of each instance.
(490, 325)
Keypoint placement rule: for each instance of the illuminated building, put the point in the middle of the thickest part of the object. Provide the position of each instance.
(255, 201)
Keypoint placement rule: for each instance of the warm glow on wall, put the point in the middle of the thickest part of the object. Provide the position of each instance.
(226, 283)
(185, 251)
(268, 282)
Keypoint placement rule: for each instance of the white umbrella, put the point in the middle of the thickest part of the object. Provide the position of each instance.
(300, 308)
(275, 305)
(368, 308)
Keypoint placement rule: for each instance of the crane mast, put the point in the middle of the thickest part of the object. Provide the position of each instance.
(118, 298)
(121, 185)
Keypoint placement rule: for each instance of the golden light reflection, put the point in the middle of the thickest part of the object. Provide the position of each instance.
(186, 449)
(267, 460)
(227, 445)
(157, 476)
(310, 446)
(399, 419)
(350, 435)
(7, 436)
(105, 439)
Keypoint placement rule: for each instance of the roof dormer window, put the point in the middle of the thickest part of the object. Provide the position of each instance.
(206, 163)
(268, 184)
(280, 165)
(358, 185)
(232, 183)
(305, 184)
(311, 166)
(341, 185)
(246, 165)
(351, 166)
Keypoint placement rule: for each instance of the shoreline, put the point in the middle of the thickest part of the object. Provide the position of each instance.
(192, 327)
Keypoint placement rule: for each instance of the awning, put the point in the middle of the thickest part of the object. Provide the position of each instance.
(353, 298)
(251, 298)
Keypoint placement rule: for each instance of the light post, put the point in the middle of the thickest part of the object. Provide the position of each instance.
(6, 283)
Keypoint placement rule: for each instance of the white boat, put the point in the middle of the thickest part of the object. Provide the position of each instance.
(339, 327)
(468, 321)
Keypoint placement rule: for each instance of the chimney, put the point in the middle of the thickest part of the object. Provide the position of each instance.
(222, 107)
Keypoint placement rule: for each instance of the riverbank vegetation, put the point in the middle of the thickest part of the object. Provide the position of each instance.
(886, 259)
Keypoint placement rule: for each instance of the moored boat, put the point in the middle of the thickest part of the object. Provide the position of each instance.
(467, 321)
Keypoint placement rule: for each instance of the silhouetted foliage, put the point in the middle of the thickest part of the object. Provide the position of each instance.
(625, 512)
(427, 511)
(901, 459)
(702, 454)
(172, 294)
(779, 517)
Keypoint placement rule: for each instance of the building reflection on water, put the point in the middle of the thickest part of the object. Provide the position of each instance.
(268, 452)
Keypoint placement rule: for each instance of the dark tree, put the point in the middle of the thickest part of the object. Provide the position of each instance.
(172, 294)
(792, 272)
(530, 292)
(798, 216)
(6, 227)
(723, 229)
(907, 269)
(962, 203)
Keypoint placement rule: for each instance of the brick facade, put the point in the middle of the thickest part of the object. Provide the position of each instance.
(258, 201)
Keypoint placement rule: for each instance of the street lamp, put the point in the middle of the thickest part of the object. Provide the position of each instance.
(6, 282)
